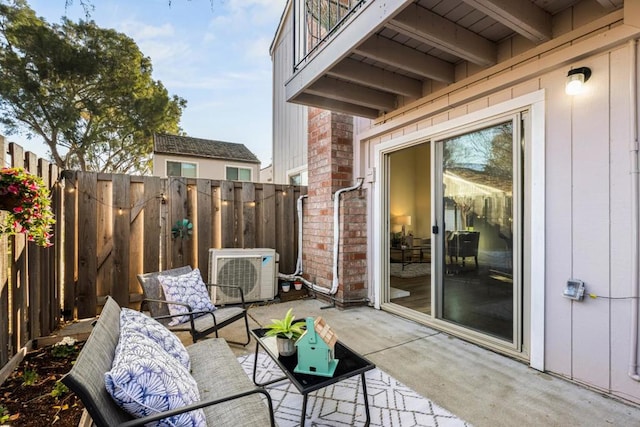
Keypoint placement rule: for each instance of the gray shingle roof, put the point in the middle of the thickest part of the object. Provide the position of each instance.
(198, 147)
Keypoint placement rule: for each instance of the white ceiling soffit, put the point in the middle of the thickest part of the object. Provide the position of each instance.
(391, 52)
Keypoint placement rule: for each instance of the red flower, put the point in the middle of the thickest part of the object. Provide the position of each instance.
(32, 215)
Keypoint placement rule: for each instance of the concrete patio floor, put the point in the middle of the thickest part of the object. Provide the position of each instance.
(477, 385)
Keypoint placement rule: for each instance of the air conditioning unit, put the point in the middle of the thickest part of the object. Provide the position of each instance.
(255, 271)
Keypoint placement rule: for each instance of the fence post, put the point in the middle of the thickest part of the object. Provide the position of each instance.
(119, 287)
(228, 230)
(155, 198)
(247, 218)
(87, 235)
(4, 280)
(203, 223)
(70, 202)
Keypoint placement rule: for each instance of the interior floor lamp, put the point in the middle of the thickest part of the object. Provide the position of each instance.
(404, 220)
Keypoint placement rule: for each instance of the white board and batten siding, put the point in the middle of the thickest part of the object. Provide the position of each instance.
(587, 208)
(289, 120)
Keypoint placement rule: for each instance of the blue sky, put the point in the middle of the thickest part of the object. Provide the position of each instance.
(216, 56)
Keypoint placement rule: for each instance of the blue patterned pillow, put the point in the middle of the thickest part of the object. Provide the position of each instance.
(145, 380)
(140, 322)
(189, 289)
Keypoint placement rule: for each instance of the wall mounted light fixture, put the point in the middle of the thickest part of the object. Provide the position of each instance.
(576, 79)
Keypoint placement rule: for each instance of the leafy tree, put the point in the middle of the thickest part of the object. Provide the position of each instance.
(87, 91)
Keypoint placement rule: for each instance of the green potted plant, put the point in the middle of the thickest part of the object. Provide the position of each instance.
(286, 332)
(26, 199)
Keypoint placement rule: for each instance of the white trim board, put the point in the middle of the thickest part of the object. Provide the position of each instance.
(535, 158)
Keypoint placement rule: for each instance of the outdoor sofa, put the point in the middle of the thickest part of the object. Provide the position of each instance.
(227, 394)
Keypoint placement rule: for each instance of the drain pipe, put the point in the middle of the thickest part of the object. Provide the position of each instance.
(635, 211)
(336, 231)
(299, 260)
(336, 239)
(298, 271)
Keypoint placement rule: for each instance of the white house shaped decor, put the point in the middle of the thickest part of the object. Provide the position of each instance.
(316, 349)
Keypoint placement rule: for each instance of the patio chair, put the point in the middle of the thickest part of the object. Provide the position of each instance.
(200, 324)
(463, 244)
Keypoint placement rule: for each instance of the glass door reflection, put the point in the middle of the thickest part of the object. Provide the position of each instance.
(477, 288)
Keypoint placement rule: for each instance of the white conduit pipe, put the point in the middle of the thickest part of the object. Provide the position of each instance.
(635, 211)
(296, 275)
(336, 231)
(299, 260)
(336, 240)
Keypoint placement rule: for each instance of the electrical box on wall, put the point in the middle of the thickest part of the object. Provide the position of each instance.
(574, 289)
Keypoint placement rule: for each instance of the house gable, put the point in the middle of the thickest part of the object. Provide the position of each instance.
(208, 158)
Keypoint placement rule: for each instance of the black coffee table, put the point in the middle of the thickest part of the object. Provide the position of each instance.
(350, 364)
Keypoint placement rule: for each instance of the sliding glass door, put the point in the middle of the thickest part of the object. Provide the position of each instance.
(478, 184)
(409, 172)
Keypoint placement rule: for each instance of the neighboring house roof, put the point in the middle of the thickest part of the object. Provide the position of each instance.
(198, 147)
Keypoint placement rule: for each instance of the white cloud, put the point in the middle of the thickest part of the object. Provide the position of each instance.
(207, 106)
(259, 10)
(258, 48)
(160, 43)
(248, 17)
(140, 31)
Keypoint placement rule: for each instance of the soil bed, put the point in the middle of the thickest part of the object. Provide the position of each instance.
(26, 395)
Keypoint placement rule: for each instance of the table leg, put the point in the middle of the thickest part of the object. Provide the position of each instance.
(304, 409)
(403, 263)
(255, 368)
(255, 364)
(366, 399)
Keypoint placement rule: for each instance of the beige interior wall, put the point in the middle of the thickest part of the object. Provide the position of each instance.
(410, 189)
(401, 191)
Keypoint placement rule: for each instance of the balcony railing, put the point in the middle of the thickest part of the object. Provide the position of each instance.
(314, 21)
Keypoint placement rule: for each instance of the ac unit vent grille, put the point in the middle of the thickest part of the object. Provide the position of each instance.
(242, 272)
(253, 270)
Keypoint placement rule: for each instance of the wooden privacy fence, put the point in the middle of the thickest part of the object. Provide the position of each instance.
(29, 291)
(110, 227)
(116, 226)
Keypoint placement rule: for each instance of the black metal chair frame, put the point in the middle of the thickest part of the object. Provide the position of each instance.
(158, 307)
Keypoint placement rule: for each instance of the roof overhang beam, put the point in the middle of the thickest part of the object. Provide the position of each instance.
(522, 16)
(609, 5)
(343, 91)
(334, 105)
(397, 55)
(423, 25)
(368, 75)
